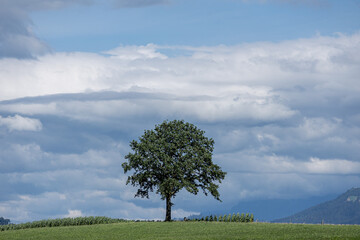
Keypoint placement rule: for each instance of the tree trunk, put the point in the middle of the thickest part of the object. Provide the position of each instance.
(168, 209)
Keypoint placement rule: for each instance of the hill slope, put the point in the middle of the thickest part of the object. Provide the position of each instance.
(345, 209)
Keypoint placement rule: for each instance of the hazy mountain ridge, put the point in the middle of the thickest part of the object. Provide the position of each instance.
(270, 209)
(345, 209)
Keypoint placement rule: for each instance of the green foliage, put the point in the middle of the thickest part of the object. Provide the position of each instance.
(247, 218)
(173, 156)
(187, 230)
(237, 219)
(242, 218)
(61, 222)
(233, 218)
(4, 221)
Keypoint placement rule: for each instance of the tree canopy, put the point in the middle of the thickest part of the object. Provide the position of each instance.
(4, 221)
(173, 156)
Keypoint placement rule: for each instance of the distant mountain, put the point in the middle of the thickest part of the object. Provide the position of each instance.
(345, 209)
(270, 209)
(266, 210)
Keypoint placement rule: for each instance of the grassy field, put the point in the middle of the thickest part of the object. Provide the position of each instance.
(187, 230)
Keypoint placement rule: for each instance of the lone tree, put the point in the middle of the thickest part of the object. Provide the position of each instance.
(173, 156)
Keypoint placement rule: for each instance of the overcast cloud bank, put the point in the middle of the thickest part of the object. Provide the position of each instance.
(284, 116)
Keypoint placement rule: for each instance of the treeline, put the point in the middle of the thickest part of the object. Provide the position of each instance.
(59, 222)
(4, 221)
(226, 218)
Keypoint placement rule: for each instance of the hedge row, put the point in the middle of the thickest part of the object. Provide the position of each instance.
(61, 222)
(106, 220)
(227, 218)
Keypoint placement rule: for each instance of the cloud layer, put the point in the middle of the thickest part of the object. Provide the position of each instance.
(284, 117)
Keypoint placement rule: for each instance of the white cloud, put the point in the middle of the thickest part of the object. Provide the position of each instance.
(332, 166)
(256, 161)
(318, 127)
(19, 123)
(131, 53)
(73, 214)
(180, 213)
(249, 75)
(33, 207)
(208, 110)
(31, 158)
(214, 71)
(239, 82)
(76, 204)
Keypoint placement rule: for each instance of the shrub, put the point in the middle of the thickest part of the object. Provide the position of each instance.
(247, 218)
(233, 217)
(242, 218)
(225, 218)
(237, 219)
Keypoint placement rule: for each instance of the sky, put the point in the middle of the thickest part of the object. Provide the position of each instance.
(274, 82)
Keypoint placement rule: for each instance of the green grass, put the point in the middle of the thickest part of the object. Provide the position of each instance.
(187, 230)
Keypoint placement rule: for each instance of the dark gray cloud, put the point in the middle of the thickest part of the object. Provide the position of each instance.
(97, 96)
(17, 39)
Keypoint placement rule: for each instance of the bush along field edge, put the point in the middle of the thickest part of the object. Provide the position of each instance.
(243, 218)
(61, 222)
